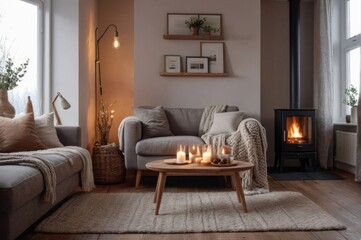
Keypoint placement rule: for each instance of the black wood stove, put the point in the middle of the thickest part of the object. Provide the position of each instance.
(295, 128)
(295, 136)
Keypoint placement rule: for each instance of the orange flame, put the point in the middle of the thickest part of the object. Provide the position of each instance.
(294, 131)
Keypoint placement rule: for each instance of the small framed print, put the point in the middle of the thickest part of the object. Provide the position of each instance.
(215, 52)
(176, 23)
(197, 64)
(172, 63)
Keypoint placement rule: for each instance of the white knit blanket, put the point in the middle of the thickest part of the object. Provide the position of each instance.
(38, 159)
(249, 144)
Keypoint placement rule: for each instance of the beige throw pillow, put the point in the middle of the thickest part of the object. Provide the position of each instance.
(226, 122)
(19, 134)
(154, 122)
(44, 125)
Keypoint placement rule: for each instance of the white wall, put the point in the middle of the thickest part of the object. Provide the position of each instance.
(65, 57)
(241, 28)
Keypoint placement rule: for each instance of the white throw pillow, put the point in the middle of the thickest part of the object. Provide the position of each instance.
(44, 125)
(226, 122)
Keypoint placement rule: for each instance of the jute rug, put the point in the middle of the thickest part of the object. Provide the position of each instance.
(187, 212)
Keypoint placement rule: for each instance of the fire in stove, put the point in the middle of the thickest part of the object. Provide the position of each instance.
(295, 134)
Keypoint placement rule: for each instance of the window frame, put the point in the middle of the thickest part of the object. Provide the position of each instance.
(347, 44)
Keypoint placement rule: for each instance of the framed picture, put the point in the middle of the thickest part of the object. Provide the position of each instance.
(172, 63)
(197, 64)
(214, 21)
(215, 52)
(176, 23)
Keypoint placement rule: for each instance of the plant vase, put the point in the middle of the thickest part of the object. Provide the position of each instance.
(354, 115)
(6, 109)
(195, 31)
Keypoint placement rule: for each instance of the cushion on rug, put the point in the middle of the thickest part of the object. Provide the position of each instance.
(44, 126)
(225, 122)
(154, 122)
(19, 134)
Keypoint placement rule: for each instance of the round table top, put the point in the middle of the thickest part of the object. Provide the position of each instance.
(161, 166)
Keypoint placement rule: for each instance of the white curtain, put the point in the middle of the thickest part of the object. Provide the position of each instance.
(323, 82)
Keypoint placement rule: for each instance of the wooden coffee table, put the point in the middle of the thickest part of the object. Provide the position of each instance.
(193, 169)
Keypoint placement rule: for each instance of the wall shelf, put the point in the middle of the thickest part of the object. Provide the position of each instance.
(185, 74)
(191, 37)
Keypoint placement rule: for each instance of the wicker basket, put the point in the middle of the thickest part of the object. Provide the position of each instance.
(108, 164)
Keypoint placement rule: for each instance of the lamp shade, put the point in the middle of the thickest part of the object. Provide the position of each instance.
(64, 104)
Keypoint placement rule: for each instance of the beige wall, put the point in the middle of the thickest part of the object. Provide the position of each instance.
(241, 27)
(87, 21)
(275, 62)
(117, 66)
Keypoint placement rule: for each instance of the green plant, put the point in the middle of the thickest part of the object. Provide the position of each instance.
(195, 22)
(351, 96)
(10, 75)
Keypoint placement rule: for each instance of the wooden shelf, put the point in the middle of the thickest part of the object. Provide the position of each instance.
(185, 74)
(191, 37)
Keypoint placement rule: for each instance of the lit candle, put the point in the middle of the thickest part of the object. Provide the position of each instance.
(181, 157)
(199, 160)
(192, 153)
(207, 157)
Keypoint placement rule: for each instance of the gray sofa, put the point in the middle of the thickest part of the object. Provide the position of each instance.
(21, 188)
(184, 124)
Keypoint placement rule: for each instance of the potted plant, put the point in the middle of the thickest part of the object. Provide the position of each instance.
(194, 24)
(208, 30)
(10, 76)
(351, 98)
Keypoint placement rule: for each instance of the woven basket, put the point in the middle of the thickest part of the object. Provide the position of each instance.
(108, 164)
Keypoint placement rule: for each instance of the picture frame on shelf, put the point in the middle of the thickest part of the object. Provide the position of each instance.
(172, 63)
(176, 23)
(215, 52)
(214, 21)
(197, 64)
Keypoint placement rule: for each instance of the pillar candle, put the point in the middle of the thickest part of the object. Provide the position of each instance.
(181, 157)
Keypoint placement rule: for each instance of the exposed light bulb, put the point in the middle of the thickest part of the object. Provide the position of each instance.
(116, 43)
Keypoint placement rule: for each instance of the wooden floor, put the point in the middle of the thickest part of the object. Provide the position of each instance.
(340, 198)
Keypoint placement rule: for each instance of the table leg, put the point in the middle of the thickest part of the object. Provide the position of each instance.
(162, 178)
(156, 189)
(239, 190)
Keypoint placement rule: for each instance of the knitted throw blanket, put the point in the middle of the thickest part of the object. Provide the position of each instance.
(249, 144)
(38, 160)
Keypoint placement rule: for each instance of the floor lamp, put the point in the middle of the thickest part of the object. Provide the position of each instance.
(98, 76)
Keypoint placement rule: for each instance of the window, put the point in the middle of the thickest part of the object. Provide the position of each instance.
(21, 35)
(351, 45)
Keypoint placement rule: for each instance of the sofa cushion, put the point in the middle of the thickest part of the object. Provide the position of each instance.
(44, 126)
(225, 122)
(19, 134)
(19, 184)
(163, 146)
(184, 121)
(154, 122)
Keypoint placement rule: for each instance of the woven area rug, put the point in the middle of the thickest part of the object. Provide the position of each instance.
(187, 212)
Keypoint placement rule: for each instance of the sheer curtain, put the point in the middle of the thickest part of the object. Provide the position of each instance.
(323, 82)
